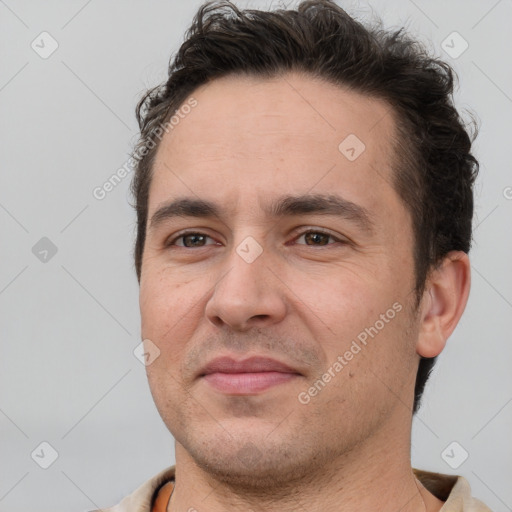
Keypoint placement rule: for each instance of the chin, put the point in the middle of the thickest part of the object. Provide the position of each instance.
(251, 470)
(253, 462)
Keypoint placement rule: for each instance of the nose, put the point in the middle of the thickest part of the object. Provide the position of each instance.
(247, 295)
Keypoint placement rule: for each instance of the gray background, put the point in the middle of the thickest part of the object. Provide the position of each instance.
(69, 325)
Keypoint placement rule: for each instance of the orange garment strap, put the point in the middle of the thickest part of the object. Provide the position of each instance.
(163, 497)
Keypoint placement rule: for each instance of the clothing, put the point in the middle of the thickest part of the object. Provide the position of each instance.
(453, 490)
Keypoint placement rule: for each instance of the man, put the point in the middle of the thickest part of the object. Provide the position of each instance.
(304, 198)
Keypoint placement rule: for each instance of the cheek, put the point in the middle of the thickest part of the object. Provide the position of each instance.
(361, 319)
(344, 299)
(168, 309)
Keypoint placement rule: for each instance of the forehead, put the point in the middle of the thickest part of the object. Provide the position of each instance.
(251, 136)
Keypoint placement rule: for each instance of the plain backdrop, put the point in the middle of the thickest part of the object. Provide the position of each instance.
(68, 294)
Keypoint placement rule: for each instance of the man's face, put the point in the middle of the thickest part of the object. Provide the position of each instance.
(332, 308)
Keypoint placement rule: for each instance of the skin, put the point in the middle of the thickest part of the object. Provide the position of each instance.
(302, 301)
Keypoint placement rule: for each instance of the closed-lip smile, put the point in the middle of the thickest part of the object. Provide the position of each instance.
(248, 376)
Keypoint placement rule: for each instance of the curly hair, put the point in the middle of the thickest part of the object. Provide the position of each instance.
(433, 169)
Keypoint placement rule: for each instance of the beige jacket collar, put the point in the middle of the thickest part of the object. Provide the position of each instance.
(453, 490)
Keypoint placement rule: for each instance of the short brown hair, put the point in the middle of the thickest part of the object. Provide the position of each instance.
(434, 170)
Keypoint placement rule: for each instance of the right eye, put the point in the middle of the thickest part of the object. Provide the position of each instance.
(190, 239)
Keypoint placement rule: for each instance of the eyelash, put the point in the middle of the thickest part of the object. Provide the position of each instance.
(171, 242)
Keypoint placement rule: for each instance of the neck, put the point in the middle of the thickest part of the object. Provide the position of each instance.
(375, 475)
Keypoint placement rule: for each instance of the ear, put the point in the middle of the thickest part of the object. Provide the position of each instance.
(443, 302)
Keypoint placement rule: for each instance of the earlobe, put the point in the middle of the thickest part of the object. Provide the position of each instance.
(444, 300)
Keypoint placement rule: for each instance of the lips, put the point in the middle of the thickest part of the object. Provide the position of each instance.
(247, 377)
(251, 365)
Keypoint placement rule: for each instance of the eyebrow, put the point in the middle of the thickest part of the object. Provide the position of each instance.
(288, 205)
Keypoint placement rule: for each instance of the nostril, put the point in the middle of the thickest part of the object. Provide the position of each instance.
(260, 317)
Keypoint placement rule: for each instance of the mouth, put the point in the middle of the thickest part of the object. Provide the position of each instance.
(247, 377)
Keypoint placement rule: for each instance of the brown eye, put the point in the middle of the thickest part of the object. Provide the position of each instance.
(315, 238)
(190, 240)
(193, 240)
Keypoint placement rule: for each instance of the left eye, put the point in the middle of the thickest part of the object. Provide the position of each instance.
(317, 238)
